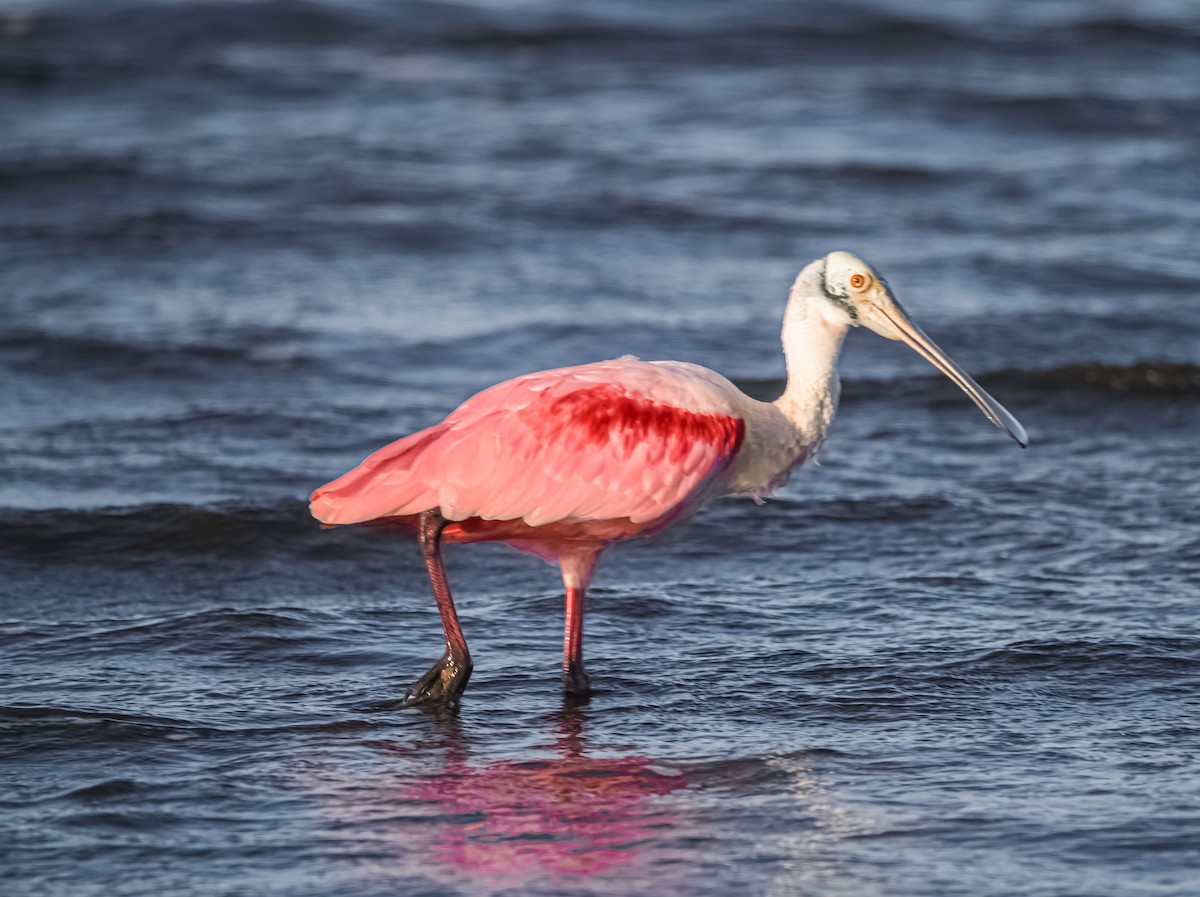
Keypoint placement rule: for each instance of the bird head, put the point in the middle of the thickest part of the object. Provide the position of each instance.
(858, 293)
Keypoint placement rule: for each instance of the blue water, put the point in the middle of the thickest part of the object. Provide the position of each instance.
(243, 244)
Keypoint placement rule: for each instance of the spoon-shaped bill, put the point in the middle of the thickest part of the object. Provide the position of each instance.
(889, 320)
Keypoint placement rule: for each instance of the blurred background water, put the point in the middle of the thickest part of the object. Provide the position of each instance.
(245, 242)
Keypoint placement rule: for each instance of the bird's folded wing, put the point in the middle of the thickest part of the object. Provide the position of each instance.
(619, 439)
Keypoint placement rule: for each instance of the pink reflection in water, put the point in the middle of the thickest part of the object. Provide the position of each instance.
(511, 821)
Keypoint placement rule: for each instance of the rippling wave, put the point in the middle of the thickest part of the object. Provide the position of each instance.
(154, 530)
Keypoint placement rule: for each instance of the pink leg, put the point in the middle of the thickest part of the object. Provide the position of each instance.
(448, 677)
(575, 680)
(577, 572)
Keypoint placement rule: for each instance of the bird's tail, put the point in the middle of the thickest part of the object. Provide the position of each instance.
(384, 485)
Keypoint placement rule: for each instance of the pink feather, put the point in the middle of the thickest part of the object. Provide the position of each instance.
(620, 440)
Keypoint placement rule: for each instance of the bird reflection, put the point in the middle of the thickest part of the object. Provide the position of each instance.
(514, 821)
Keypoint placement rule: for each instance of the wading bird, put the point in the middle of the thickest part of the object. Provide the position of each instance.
(564, 463)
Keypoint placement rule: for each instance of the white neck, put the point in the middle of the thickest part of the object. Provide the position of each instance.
(812, 338)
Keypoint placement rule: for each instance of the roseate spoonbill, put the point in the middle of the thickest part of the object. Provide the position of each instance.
(564, 463)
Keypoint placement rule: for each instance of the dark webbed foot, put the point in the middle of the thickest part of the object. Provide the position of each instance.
(442, 685)
(575, 680)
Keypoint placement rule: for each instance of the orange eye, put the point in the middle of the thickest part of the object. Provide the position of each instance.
(858, 281)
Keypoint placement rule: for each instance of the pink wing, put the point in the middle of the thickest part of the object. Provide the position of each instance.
(617, 439)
